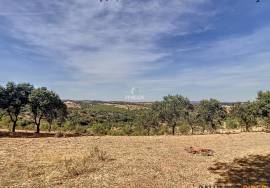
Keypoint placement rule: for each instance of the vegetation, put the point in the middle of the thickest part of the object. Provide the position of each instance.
(13, 98)
(246, 114)
(211, 114)
(26, 107)
(45, 104)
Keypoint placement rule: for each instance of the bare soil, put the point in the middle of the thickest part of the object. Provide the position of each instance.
(157, 161)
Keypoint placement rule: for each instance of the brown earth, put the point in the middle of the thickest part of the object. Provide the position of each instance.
(158, 161)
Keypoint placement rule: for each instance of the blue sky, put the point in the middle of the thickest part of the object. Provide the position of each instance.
(85, 49)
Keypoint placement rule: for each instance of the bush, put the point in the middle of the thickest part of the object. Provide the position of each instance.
(24, 123)
(184, 128)
(99, 129)
(163, 130)
(87, 163)
(232, 123)
(264, 122)
(5, 122)
(116, 132)
(140, 131)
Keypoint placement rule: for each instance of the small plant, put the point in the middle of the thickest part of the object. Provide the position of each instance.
(86, 163)
(99, 154)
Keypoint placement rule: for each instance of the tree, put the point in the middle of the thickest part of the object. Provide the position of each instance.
(44, 104)
(246, 114)
(173, 109)
(211, 113)
(3, 98)
(62, 114)
(149, 120)
(13, 99)
(193, 119)
(57, 110)
(263, 106)
(263, 103)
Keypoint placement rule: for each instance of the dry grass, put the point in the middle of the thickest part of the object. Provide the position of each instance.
(158, 161)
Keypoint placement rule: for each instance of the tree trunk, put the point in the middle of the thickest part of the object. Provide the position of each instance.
(50, 127)
(37, 122)
(14, 126)
(173, 128)
(213, 127)
(38, 130)
(247, 128)
(14, 121)
(203, 130)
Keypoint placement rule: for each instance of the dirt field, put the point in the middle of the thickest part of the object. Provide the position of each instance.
(159, 161)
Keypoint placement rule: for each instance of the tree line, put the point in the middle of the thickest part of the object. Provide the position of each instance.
(207, 115)
(43, 103)
(173, 114)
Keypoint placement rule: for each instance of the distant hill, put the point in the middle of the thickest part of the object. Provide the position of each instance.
(123, 104)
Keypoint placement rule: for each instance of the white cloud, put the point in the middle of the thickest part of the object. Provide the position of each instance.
(230, 69)
(108, 41)
(116, 43)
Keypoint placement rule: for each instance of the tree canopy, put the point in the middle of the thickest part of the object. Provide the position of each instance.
(44, 104)
(246, 113)
(211, 113)
(13, 98)
(173, 109)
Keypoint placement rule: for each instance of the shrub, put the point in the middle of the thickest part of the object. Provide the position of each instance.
(163, 130)
(89, 162)
(184, 128)
(264, 122)
(99, 129)
(116, 132)
(24, 123)
(231, 123)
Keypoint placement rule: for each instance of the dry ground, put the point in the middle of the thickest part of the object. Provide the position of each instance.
(158, 161)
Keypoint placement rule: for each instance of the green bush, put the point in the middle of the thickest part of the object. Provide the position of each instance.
(5, 122)
(163, 130)
(184, 128)
(80, 129)
(140, 131)
(24, 123)
(232, 123)
(99, 129)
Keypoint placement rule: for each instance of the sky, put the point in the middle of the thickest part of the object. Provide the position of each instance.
(92, 50)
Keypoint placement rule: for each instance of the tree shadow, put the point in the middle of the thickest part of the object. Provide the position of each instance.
(6, 134)
(250, 170)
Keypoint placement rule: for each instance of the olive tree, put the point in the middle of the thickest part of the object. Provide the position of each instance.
(44, 104)
(148, 119)
(13, 98)
(211, 113)
(173, 109)
(263, 106)
(57, 111)
(193, 119)
(246, 113)
(62, 113)
(3, 97)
